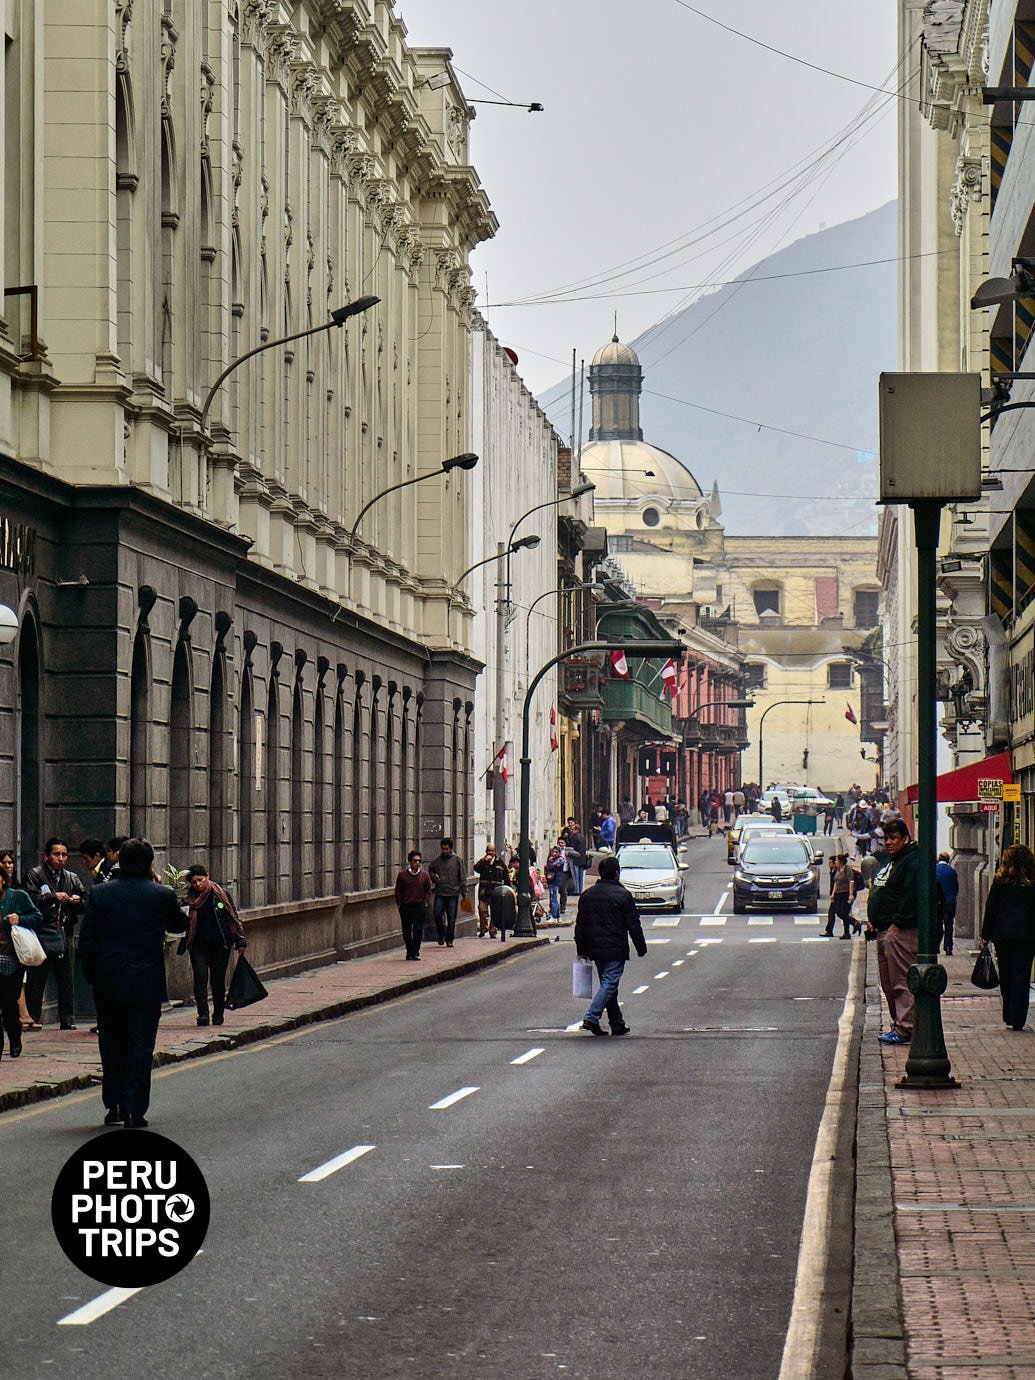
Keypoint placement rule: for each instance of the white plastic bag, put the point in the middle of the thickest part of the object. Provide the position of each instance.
(27, 948)
(582, 979)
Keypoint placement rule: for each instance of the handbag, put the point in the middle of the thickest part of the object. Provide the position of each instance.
(466, 905)
(27, 948)
(985, 974)
(245, 988)
(582, 978)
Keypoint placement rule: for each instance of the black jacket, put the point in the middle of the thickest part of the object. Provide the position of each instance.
(121, 946)
(606, 918)
(57, 916)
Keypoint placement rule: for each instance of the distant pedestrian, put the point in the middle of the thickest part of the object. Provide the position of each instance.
(576, 841)
(110, 866)
(554, 872)
(449, 878)
(595, 820)
(661, 812)
(606, 921)
(647, 810)
(57, 894)
(714, 810)
(842, 895)
(948, 898)
(608, 829)
(839, 811)
(413, 891)
(492, 872)
(91, 864)
(681, 820)
(739, 801)
(727, 807)
(704, 808)
(892, 916)
(213, 929)
(1009, 926)
(776, 809)
(16, 908)
(122, 951)
(626, 811)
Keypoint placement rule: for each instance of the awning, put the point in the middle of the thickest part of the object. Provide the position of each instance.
(962, 784)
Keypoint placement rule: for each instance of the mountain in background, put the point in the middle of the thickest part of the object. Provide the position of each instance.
(797, 349)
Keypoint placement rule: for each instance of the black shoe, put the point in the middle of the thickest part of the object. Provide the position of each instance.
(202, 1020)
(593, 1028)
(16, 1049)
(948, 953)
(68, 1025)
(620, 1030)
(135, 1123)
(114, 1117)
(217, 1020)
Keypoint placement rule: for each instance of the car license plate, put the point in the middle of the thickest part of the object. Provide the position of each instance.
(776, 896)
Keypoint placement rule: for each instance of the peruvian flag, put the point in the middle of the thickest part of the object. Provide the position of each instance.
(669, 678)
(619, 664)
(501, 758)
(554, 741)
(850, 714)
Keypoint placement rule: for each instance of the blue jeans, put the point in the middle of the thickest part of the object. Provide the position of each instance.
(445, 918)
(555, 899)
(610, 975)
(578, 874)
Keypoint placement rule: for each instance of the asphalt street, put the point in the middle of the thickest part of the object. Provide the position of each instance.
(533, 1202)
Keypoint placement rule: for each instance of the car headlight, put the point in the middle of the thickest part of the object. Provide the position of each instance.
(739, 876)
(803, 877)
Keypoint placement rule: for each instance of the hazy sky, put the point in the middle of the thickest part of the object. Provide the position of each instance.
(655, 123)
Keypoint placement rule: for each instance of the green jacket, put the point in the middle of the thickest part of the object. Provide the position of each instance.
(893, 898)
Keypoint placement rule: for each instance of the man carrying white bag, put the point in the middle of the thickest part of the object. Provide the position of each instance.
(606, 921)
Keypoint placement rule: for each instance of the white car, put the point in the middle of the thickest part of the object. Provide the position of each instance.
(653, 876)
(810, 798)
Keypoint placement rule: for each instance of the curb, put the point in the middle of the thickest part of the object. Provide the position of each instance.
(878, 1344)
(44, 1092)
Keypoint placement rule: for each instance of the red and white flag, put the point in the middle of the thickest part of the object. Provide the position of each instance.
(501, 758)
(850, 714)
(619, 664)
(554, 740)
(669, 678)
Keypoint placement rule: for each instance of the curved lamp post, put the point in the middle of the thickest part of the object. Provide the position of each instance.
(338, 318)
(775, 705)
(744, 703)
(561, 589)
(522, 544)
(578, 492)
(525, 927)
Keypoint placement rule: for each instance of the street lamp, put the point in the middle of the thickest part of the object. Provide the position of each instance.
(632, 648)
(699, 709)
(522, 544)
(338, 317)
(775, 705)
(578, 492)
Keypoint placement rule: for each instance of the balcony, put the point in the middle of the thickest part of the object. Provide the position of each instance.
(626, 700)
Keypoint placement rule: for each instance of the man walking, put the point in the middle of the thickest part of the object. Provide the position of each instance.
(449, 878)
(492, 872)
(608, 829)
(948, 896)
(56, 892)
(892, 916)
(412, 891)
(606, 920)
(121, 947)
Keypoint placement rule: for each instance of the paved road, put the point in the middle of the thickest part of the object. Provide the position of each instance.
(604, 1208)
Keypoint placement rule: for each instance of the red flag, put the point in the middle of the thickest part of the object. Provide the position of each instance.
(554, 741)
(619, 664)
(501, 758)
(850, 715)
(670, 677)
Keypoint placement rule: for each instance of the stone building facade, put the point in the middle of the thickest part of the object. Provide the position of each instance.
(208, 652)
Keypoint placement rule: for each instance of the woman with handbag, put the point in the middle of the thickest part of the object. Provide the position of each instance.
(16, 909)
(8, 867)
(213, 929)
(1009, 925)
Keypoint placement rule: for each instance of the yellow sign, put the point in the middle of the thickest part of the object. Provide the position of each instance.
(1011, 794)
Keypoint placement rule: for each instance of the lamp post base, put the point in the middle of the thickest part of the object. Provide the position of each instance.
(524, 928)
(928, 1063)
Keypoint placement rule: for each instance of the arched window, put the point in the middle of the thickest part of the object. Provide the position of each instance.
(418, 749)
(246, 793)
(339, 833)
(272, 789)
(30, 766)
(126, 180)
(391, 795)
(375, 804)
(180, 756)
(139, 720)
(319, 829)
(359, 814)
(170, 220)
(455, 769)
(218, 793)
(297, 791)
(405, 784)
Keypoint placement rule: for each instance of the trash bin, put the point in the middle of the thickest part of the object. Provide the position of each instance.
(503, 909)
(804, 824)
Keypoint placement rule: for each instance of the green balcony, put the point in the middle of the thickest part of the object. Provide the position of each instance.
(629, 700)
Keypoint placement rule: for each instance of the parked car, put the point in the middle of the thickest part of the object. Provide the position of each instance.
(747, 825)
(653, 875)
(776, 873)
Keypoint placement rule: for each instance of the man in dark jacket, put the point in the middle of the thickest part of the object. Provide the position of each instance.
(892, 912)
(56, 893)
(121, 948)
(576, 841)
(449, 878)
(606, 919)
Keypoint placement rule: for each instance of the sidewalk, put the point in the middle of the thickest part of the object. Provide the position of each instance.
(945, 1278)
(55, 1062)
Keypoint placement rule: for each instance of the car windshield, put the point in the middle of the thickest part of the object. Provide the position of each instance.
(646, 857)
(786, 852)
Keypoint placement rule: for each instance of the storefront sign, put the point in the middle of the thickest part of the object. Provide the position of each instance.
(17, 547)
(990, 788)
(990, 807)
(1011, 794)
(1022, 692)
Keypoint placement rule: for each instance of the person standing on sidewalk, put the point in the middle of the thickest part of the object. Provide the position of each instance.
(213, 929)
(122, 950)
(948, 897)
(892, 911)
(608, 829)
(449, 878)
(412, 893)
(16, 908)
(576, 841)
(57, 895)
(492, 872)
(606, 921)
(1009, 925)
(554, 872)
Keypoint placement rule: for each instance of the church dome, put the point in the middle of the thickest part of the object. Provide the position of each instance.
(630, 473)
(615, 352)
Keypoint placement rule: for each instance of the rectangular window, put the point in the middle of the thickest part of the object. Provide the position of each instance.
(767, 601)
(754, 675)
(839, 675)
(867, 610)
(620, 543)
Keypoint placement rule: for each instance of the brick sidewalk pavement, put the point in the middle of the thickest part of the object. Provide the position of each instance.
(54, 1062)
(962, 1178)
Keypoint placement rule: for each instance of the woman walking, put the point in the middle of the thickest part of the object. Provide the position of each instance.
(213, 929)
(16, 908)
(7, 869)
(1009, 925)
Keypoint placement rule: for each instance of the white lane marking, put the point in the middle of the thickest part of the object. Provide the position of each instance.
(453, 1097)
(445, 1166)
(768, 939)
(678, 963)
(760, 920)
(720, 902)
(690, 953)
(813, 939)
(804, 920)
(324, 1171)
(712, 939)
(659, 976)
(575, 1025)
(714, 919)
(803, 998)
(96, 1308)
(639, 991)
(667, 921)
(659, 941)
(528, 1056)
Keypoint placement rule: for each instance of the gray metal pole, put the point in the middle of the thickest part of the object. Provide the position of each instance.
(499, 788)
